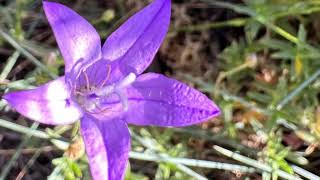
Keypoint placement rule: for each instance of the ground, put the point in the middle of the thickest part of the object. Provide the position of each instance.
(258, 60)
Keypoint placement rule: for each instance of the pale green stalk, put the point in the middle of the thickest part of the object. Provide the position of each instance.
(190, 162)
(154, 147)
(16, 155)
(24, 52)
(297, 90)
(254, 163)
(9, 65)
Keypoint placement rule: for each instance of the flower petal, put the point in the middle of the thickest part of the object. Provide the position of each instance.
(95, 148)
(136, 42)
(76, 38)
(160, 101)
(107, 144)
(48, 104)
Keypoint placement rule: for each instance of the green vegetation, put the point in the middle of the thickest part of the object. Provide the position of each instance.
(259, 60)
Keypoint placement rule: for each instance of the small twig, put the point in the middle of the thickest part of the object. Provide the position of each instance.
(29, 164)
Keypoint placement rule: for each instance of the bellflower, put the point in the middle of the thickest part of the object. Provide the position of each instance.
(104, 87)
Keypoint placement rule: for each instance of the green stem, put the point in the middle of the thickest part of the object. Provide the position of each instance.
(295, 92)
(254, 163)
(156, 149)
(237, 22)
(304, 173)
(257, 17)
(9, 65)
(22, 84)
(16, 155)
(190, 172)
(190, 162)
(279, 30)
(158, 157)
(225, 74)
(136, 155)
(19, 48)
(23, 129)
(36, 133)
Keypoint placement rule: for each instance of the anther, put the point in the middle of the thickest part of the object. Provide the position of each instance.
(87, 80)
(99, 108)
(79, 93)
(108, 76)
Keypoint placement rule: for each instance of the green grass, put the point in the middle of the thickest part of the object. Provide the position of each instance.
(266, 83)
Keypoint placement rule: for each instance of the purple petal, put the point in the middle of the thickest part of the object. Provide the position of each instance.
(95, 148)
(107, 144)
(48, 104)
(160, 101)
(136, 42)
(76, 38)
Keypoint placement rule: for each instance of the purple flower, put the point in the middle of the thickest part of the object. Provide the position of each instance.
(104, 87)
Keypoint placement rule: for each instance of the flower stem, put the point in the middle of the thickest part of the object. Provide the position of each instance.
(236, 22)
(295, 92)
(9, 65)
(33, 59)
(16, 155)
(23, 129)
(155, 148)
(254, 163)
(33, 132)
(190, 162)
(304, 173)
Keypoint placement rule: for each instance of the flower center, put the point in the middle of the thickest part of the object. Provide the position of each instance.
(97, 98)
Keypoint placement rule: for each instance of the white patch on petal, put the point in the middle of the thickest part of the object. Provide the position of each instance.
(100, 159)
(57, 90)
(33, 110)
(60, 111)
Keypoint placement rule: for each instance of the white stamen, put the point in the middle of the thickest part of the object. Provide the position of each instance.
(105, 90)
(126, 81)
(123, 84)
(124, 99)
(117, 88)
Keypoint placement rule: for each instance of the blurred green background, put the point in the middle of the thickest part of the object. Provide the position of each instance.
(258, 59)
